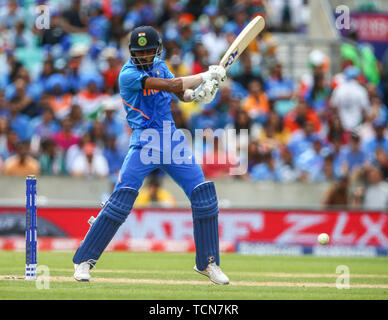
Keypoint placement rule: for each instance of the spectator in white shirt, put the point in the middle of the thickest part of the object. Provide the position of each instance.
(288, 15)
(89, 163)
(214, 40)
(376, 191)
(351, 100)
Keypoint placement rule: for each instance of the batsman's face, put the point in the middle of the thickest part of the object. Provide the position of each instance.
(145, 57)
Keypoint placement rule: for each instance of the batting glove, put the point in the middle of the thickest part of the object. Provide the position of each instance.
(206, 91)
(215, 72)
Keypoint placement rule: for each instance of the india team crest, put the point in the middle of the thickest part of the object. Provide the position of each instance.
(142, 41)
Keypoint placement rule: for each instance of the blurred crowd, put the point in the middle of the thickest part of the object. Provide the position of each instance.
(61, 113)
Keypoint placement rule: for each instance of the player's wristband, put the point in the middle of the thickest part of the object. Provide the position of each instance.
(143, 80)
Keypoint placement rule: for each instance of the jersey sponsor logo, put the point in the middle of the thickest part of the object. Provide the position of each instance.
(231, 58)
(149, 92)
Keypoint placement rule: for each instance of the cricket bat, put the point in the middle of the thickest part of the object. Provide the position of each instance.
(242, 41)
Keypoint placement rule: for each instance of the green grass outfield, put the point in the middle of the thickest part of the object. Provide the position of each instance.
(170, 276)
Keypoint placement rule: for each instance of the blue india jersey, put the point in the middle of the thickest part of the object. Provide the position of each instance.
(146, 108)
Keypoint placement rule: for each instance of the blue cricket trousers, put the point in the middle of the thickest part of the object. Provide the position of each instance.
(168, 151)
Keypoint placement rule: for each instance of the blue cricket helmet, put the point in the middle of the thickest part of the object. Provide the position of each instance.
(145, 38)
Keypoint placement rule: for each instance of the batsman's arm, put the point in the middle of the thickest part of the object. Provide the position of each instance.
(175, 85)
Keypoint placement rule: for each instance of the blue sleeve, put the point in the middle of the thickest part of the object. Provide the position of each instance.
(131, 80)
(167, 74)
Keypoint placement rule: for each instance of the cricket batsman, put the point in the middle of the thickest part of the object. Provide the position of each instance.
(146, 87)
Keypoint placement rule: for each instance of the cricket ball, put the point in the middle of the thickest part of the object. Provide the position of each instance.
(323, 238)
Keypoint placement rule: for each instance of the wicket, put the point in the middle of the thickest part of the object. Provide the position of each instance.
(31, 228)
